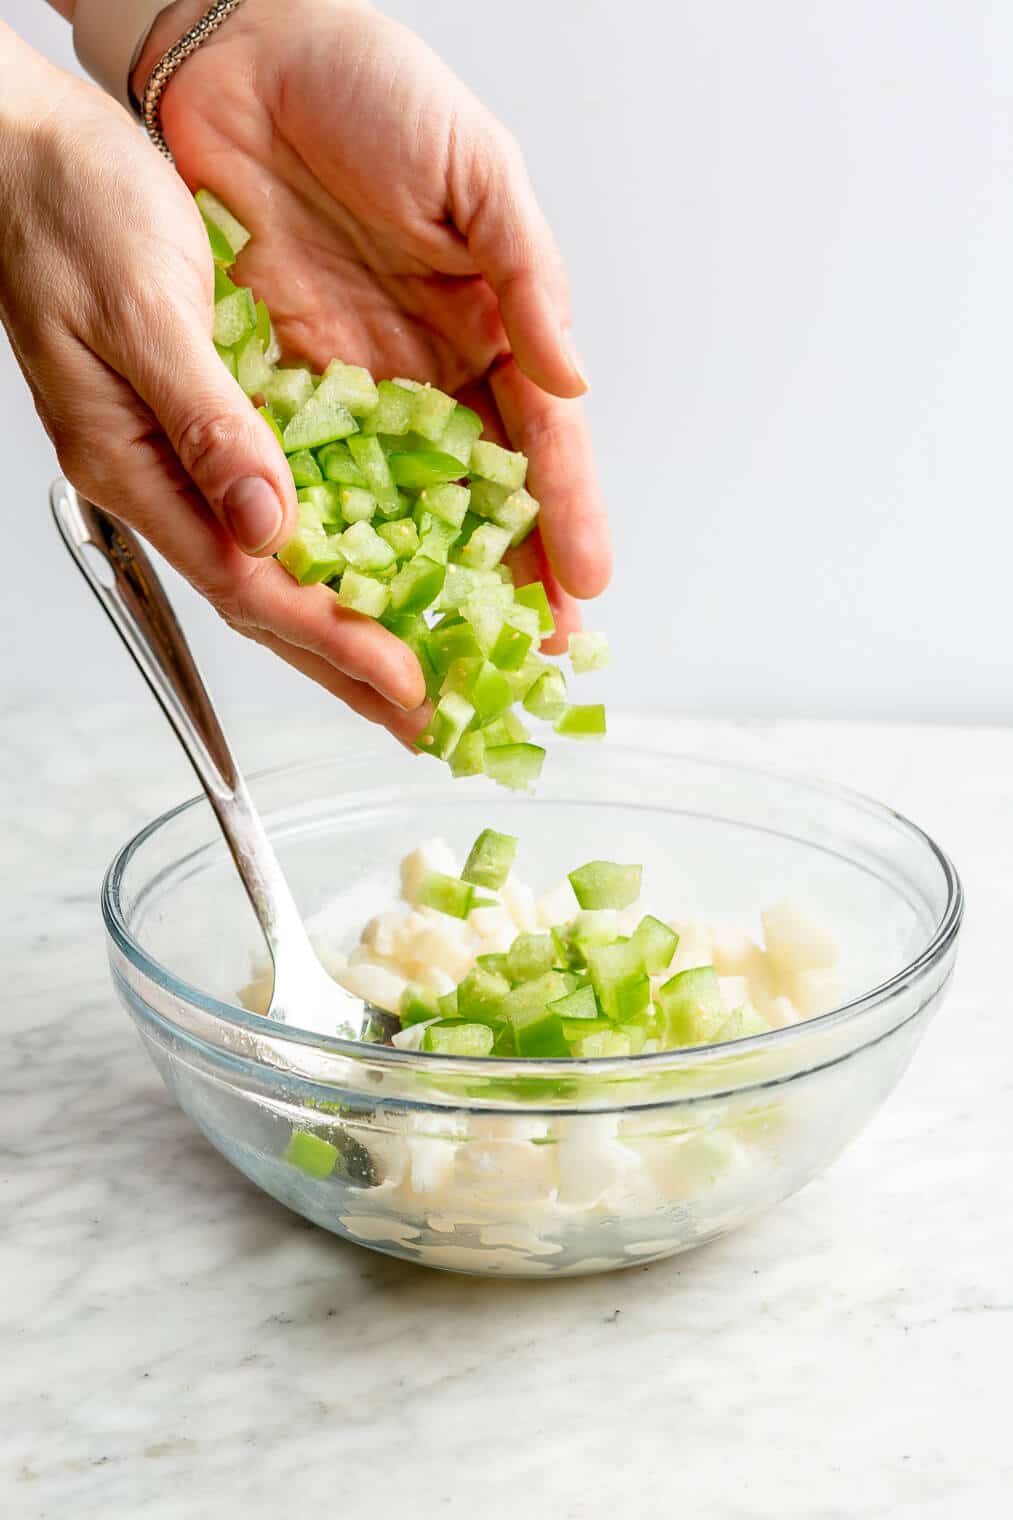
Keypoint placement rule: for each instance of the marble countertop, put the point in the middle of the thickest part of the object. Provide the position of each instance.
(175, 1345)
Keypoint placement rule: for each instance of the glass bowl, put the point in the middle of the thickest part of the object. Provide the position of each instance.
(551, 1167)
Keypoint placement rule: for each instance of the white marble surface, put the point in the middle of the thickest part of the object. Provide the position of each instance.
(174, 1344)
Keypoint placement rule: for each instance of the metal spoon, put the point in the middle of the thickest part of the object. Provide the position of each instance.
(117, 568)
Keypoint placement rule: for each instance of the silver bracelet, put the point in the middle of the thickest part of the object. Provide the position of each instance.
(169, 62)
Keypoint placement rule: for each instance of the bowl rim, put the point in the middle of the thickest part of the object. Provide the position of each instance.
(940, 941)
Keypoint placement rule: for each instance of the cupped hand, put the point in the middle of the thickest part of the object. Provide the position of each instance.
(394, 226)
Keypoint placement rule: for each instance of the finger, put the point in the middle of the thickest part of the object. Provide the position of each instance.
(362, 699)
(225, 447)
(507, 234)
(555, 436)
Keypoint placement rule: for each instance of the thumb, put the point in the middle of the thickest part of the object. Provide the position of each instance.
(513, 246)
(226, 448)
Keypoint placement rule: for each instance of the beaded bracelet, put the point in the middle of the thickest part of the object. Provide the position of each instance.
(169, 62)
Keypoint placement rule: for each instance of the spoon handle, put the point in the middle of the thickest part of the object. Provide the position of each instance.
(117, 568)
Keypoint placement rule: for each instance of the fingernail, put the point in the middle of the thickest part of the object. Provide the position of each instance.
(253, 513)
(573, 355)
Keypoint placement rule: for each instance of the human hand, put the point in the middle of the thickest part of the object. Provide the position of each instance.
(394, 226)
(106, 291)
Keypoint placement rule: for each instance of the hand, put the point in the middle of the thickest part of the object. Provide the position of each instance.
(394, 226)
(106, 291)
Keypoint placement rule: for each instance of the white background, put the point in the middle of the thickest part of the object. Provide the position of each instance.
(789, 228)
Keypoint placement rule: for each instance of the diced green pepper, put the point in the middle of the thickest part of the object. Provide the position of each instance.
(547, 697)
(589, 651)
(468, 758)
(352, 385)
(338, 465)
(691, 1007)
(458, 1039)
(305, 470)
(533, 596)
(451, 718)
(603, 884)
(514, 765)
(417, 1005)
(431, 412)
(656, 942)
(401, 535)
(360, 593)
(459, 435)
(325, 500)
(530, 956)
(288, 390)
(506, 729)
(218, 218)
(480, 996)
(581, 1004)
(586, 722)
(418, 469)
(497, 464)
(447, 894)
(490, 860)
(372, 461)
(363, 547)
(272, 422)
(485, 548)
(456, 641)
(446, 501)
(417, 584)
(393, 409)
(235, 318)
(619, 979)
(310, 1153)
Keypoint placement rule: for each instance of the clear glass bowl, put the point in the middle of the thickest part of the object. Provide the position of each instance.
(535, 1168)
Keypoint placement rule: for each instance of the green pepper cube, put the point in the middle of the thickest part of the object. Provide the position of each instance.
(691, 1007)
(435, 536)
(252, 370)
(305, 470)
(533, 596)
(511, 646)
(265, 330)
(603, 884)
(288, 390)
(416, 469)
(361, 593)
(218, 216)
(392, 413)
(310, 1153)
(480, 995)
(446, 501)
(417, 1005)
(441, 736)
(431, 412)
(582, 722)
(506, 729)
(547, 697)
(589, 651)
(363, 547)
(235, 318)
(490, 860)
(485, 687)
(372, 461)
(321, 419)
(272, 422)
(352, 385)
(324, 499)
(656, 942)
(619, 979)
(338, 465)
(455, 641)
(468, 758)
(530, 956)
(459, 435)
(447, 894)
(458, 1039)
(402, 536)
(581, 1004)
(517, 766)
(499, 465)
(417, 584)
(485, 548)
